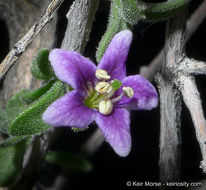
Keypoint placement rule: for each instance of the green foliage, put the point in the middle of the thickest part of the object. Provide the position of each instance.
(11, 159)
(69, 161)
(29, 121)
(41, 67)
(30, 96)
(132, 11)
(115, 25)
(15, 106)
(116, 84)
(161, 11)
(129, 11)
(11, 141)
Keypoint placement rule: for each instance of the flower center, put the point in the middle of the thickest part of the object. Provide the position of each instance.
(102, 97)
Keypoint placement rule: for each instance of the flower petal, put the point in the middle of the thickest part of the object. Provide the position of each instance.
(145, 95)
(69, 110)
(113, 60)
(115, 128)
(72, 68)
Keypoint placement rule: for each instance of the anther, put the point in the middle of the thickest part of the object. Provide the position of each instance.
(102, 87)
(105, 107)
(128, 91)
(102, 74)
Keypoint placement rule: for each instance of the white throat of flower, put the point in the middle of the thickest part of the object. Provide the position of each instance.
(101, 97)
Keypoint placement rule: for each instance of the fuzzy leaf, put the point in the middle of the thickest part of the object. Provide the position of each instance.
(41, 67)
(161, 11)
(4, 122)
(132, 11)
(129, 11)
(29, 121)
(115, 25)
(69, 161)
(11, 141)
(31, 96)
(15, 105)
(11, 159)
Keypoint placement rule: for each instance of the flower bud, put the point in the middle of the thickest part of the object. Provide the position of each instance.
(102, 87)
(105, 107)
(128, 91)
(102, 74)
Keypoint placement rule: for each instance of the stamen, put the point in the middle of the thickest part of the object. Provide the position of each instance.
(128, 91)
(102, 87)
(94, 96)
(102, 74)
(105, 107)
(117, 98)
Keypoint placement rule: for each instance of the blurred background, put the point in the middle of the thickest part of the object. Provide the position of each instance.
(108, 169)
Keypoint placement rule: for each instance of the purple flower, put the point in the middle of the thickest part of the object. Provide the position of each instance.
(101, 93)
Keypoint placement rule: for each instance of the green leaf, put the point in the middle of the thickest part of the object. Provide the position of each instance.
(11, 141)
(116, 84)
(4, 122)
(29, 121)
(115, 25)
(69, 161)
(132, 11)
(31, 96)
(11, 159)
(15, 105)
(161, 11)
(41, 67)
(129, 10)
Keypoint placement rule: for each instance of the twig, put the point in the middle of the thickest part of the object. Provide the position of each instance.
(80, 19)
(192, 24)
(192, 100)
(23, 43)
(192, 67)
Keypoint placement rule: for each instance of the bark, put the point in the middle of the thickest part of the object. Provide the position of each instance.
(170, 131)
(170, 100)
(80, 19)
